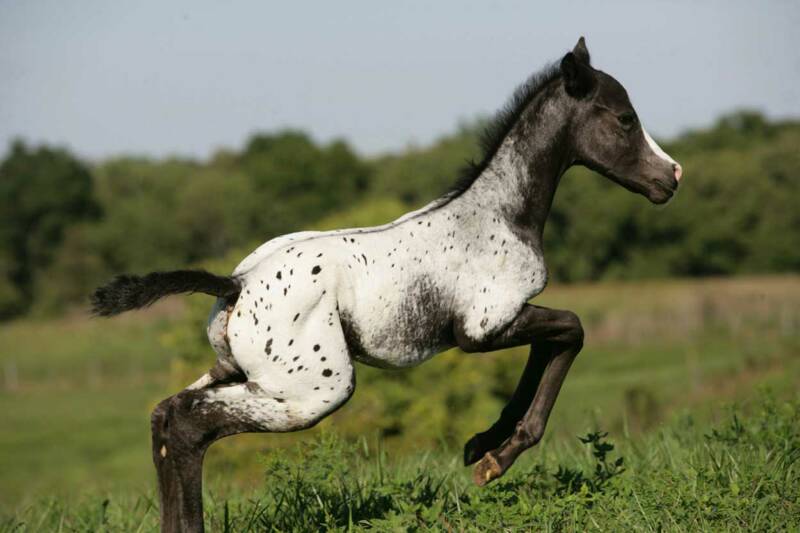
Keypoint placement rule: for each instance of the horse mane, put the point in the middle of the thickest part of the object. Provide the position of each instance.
(500, 125)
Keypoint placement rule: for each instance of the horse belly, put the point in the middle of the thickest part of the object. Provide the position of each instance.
(402, 332)
(399, 348)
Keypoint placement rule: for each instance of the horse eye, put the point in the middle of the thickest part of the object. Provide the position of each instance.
(627, 119)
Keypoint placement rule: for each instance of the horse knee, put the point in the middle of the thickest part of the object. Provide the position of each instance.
(573, 333)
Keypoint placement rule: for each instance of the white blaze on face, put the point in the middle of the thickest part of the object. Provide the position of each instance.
(657, 149)
(662, 154)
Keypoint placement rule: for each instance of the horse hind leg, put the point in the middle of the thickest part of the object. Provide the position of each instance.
(290, 390)
(178, 459)
(185, 425)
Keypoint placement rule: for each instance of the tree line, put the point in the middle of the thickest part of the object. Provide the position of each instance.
(67, 225)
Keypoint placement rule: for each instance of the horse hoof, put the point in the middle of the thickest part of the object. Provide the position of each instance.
(487, 470)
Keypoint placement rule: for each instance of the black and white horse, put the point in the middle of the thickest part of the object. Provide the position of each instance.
(293, 316)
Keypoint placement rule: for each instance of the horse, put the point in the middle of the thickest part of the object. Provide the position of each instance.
(460, 272)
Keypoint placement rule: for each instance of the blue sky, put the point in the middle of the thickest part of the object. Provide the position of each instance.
(185, 78)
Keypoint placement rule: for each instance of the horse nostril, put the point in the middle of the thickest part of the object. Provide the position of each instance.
(678, 170)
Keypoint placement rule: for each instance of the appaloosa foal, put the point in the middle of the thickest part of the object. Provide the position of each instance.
(458, 272)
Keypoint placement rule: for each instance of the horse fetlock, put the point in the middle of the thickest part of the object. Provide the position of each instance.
(474, 449)
(480, 443)
(525, 437)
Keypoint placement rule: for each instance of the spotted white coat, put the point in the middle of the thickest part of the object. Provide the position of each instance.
(387, 296)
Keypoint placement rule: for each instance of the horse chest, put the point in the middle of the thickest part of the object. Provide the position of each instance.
(492, 292)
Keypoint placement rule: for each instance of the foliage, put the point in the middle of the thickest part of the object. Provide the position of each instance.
(682, 477)
(295, 182)
(574, 480)
(66, 227)
(419, 175)
(42, 192)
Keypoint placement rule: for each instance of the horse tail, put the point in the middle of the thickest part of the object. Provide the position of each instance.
(128, 292)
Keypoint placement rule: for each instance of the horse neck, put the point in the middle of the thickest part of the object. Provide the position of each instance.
(519, 183)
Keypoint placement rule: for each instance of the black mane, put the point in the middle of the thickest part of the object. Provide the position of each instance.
(500, 126)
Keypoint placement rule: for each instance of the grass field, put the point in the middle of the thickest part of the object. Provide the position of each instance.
(73, 408)
(740, 474)
(661, 361)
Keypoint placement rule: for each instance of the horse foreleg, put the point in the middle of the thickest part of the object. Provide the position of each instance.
(556, 337)
(185, 425)
(514, 410)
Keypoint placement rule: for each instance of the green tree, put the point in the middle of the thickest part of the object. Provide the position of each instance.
(42, 191)
(296, 182)
(419, 175)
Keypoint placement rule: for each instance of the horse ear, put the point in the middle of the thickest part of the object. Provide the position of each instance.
(581, 51)
(579, 78)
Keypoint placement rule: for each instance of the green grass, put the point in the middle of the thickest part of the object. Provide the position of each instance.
(74, 406)
(76, 394)
(740, 474)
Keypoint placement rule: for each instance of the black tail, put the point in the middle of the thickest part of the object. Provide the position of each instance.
(132, 292)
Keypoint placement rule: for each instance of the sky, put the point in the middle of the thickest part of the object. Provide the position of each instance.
(186, 78)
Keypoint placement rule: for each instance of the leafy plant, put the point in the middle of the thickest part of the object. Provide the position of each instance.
(572, 480)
